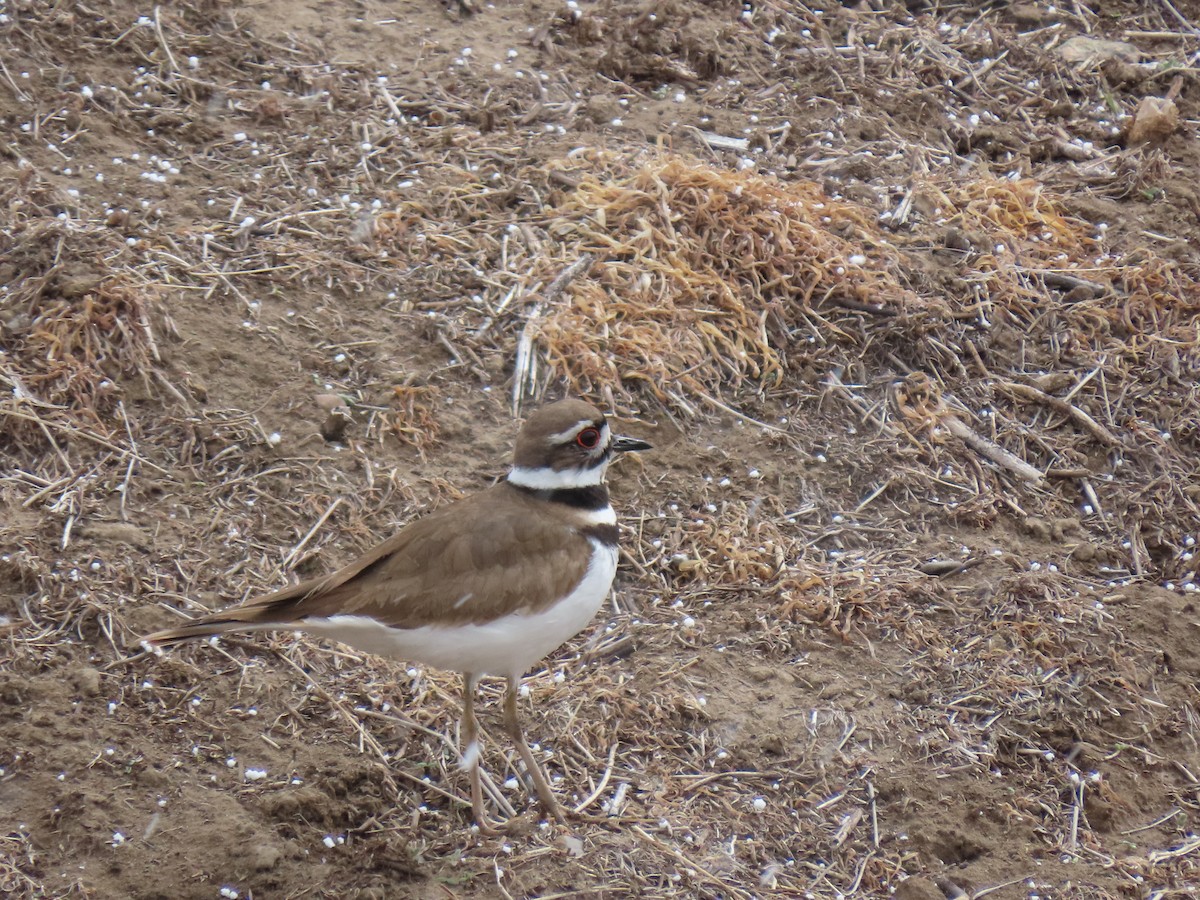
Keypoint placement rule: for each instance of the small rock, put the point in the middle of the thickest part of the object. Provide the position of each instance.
(86, 680)
(772, 744)
(1084, 49)
(335, 424)
(334, 427)
(198, 388)
(1155, 120)
(264, 858)
(1029, 15)
(73, 287)
(761, 674)
(120, 532)
(329, 402)
(573, 846)
(601, 109)
(955, 239)
(1039, 528)
(1053, 381)
(918, 888)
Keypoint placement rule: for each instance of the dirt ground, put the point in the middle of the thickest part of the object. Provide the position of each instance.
(905, 295)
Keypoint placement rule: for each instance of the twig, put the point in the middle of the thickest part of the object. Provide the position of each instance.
(867, 500)
(833, 383)
(727, 889)
(83, 433)
(874, 814)
(569, 274)
(713, 401)
(1097, 430)
(608, 768)
(123, 489)
(1165, 817)
(1188, 845)
(1077, 789)
(1090, 493)
(291, 557)
(21, 95)
(983, 892)
(990, 450)
(979, 73)
(162, 40)
(1068, 282)
(721, 142)
(1180, 18)
(524, 370)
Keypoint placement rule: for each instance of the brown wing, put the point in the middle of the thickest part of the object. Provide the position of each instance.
(491, 554)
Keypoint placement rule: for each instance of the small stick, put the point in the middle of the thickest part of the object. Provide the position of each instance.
(134, 456)
(1068, 282)
(983, 892)
(994, 452)
(979, 73)
(1076, 803)
(1090, 493)
(524, 368)
(391, 104)
(1158, 35)
(1179, 17)
(42, 425)
(871, 496)
(1097, 430)
(834, 383)
(670, 851)
(720, 142)
(569, 274)
(874, 814)
(162, 40)
(591, 798)
(733, 412)
(21, 95)
(1136, 550)
(1082, 381)
(291, 557)
(1170, 814)
(1185, 847)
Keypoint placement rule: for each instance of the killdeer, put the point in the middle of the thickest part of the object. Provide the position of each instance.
(487, 585)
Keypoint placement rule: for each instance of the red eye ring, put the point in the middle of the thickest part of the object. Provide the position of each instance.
(588, 438)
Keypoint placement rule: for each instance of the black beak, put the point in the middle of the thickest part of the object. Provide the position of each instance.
(622, 444)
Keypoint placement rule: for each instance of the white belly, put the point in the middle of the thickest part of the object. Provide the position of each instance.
(508, 646)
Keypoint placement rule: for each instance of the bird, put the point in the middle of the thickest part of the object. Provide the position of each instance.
(487, 585)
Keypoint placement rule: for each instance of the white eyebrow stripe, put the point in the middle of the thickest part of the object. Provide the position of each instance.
(574, 430)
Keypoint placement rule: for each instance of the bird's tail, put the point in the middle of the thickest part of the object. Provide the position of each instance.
(273, 611)
(209, 626)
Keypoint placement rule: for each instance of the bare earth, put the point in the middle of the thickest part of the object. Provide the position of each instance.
(906, 296)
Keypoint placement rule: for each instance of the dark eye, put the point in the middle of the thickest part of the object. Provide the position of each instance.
(588, 438)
